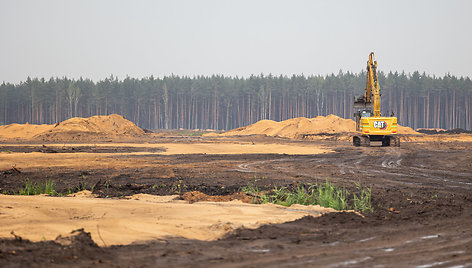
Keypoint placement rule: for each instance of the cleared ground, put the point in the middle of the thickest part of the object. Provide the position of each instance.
(137, 218)
(421, 193)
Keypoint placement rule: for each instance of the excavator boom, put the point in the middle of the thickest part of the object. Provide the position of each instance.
(372, 90)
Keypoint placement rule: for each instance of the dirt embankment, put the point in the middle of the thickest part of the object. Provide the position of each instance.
(73, 129)
(298, 127)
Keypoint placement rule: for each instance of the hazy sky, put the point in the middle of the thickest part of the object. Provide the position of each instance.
(96, 38)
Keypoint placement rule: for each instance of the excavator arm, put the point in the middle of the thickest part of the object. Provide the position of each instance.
(372, 90)
(371, 98)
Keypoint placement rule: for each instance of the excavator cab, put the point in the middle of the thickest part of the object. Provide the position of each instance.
(366, 113)
(361, 112)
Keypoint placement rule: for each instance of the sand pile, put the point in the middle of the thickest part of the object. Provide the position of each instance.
(73, 129)
(22, 131)
(406, 130)
(297, 127)
(113, 124)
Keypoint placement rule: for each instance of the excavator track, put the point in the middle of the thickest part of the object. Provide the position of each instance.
(362, 141)
(395, 141)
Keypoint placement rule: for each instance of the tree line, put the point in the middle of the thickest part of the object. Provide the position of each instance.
(222, 102)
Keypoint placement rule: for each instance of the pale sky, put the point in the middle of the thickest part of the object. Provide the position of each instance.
(97, 38)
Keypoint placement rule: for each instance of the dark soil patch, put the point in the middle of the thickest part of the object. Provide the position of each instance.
(196, 196)
(78, 149)
(449, 131)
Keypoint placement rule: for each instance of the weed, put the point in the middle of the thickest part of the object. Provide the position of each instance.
(177, 187)
(32, 188)
(329, 195)
(363, 202)
(82, 186)
(326, 195)
(252, 190)
(107, 184)
(49, 188)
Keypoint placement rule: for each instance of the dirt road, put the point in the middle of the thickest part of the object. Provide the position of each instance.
(422, 194)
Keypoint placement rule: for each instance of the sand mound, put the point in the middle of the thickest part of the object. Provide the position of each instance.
(73, 129)
(22, 131)
(110, 124)
(83, 194)
(297, 127)
(406, 130)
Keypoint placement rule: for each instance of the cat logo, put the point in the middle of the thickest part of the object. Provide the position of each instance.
(380, 124)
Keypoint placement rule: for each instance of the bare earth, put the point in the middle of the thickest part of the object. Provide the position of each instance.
(421, 193)
(154, 202)
(137, 218)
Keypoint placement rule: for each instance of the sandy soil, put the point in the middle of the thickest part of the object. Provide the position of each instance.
(76, 128)
(137, 218)
(114, 160)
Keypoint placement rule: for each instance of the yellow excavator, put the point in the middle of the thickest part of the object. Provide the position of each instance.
(370, 125)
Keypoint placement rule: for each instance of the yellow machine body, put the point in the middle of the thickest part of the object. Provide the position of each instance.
(378, 125)
(370, 124)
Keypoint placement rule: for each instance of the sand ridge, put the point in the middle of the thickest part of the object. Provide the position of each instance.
(297, 127)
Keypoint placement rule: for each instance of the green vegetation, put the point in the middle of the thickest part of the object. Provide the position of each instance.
(325, 195)
(84, 186)
(33, 188)
(363, 202)
(177, 187)
(49, 188)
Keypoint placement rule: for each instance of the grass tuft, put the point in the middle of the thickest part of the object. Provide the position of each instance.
(363, 202)
(32, 188)
(325, 195)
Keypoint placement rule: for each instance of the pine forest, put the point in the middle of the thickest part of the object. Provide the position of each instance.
(221, 102)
